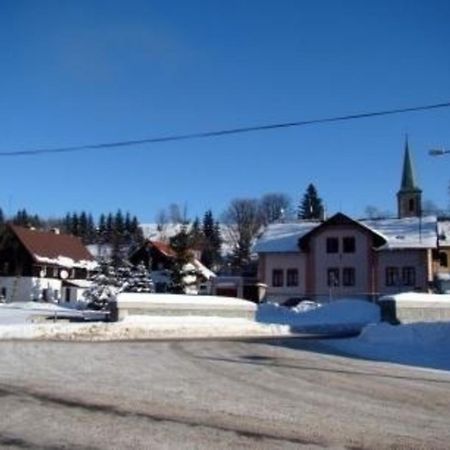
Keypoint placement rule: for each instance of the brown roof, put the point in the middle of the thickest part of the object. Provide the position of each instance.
(164, 248)
(47, 244)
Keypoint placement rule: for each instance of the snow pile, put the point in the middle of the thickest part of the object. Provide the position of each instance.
(25, 312)
(144, 327)
(418, 344)
(338, 316)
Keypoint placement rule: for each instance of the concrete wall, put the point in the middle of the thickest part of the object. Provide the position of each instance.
(409, 312)
(180, 305)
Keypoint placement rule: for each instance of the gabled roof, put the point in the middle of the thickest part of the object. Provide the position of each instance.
(342, 219)
(388, 234)
(55, 249)
(163, 248)
(283, 237)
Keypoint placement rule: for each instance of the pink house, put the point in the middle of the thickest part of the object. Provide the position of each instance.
(343, 257)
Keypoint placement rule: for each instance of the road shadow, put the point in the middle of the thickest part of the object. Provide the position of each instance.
(321, 347)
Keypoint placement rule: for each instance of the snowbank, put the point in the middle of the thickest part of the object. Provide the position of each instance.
(419, 344)
(340, 315)
(144, 327)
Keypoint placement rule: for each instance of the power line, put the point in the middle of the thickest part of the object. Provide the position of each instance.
(217, 133)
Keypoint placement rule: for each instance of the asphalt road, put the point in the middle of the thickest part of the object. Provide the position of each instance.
(213, 394)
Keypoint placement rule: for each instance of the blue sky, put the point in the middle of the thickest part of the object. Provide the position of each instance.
(85, 72)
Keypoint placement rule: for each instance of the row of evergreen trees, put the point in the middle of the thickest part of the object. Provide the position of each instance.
(83, 225)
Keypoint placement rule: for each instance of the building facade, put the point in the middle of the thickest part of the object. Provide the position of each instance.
(42, 266)
(343, 257)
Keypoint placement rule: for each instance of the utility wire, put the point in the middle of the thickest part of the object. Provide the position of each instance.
(217, 133)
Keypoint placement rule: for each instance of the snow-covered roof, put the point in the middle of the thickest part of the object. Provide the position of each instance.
(162, 233)
(283, 237)
(444, 232)
(78, 283)
(411, 232)
(408, 232)
(68, 263)
(203, 269)
(61, 250)
(100, 251)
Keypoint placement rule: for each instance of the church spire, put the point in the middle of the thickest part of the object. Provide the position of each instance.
(409, 182)
(409, 197)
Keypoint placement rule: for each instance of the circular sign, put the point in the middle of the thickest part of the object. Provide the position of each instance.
(63, 274)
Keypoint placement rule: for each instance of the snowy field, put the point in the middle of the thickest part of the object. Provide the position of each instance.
(420, 344)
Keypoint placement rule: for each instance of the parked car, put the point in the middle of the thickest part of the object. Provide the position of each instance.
(300, 303)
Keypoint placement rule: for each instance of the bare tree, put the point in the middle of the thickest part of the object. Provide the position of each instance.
(178, 214)
(161, 223)
(244, 221)
(372, 212)
(274, 206)
(429, 207)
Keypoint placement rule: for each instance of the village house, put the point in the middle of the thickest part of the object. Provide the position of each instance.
(158, 258)
(42, 266)
(343, 257)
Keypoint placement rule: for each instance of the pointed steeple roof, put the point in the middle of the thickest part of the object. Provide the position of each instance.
(409, 182)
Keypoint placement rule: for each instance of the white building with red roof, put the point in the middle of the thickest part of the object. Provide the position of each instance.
(42, 265)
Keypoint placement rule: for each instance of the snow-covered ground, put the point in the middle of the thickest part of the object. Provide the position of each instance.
(420, 344)
(340, 316)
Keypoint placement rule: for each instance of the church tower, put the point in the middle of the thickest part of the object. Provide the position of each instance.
(409, 197)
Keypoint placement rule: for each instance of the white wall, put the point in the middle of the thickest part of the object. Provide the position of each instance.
(25, 289)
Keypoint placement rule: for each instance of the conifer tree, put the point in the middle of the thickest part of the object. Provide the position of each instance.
(74, 224)
(180, 244)
(104, 288)
(311, 206)
(90, 235)
(211, 253)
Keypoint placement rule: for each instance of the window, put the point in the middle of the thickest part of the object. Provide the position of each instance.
(409, 276)
(443, 259)
(411, 205)
(5, 268)
(292, 277)
(332, 245)
(348, 276)
(55, 272)
(391, 276)
(348, 244)
(333, 276)
(277, 277)
(3, 293)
